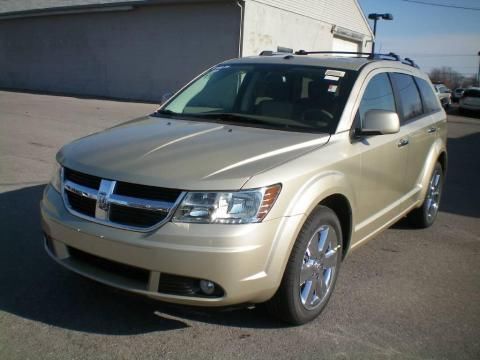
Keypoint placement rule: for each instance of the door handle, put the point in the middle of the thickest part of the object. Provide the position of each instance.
(431, 130)
(402, 142)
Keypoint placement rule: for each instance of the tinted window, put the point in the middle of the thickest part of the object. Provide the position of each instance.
(472, 93)
(411, 104)
(378, 96)
(430, 100)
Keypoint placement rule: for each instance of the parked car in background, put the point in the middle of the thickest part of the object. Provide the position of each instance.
(470, 101)
(457, 94)
(444, 95)
(252, 183)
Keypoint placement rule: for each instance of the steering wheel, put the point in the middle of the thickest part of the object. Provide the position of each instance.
(319, 117)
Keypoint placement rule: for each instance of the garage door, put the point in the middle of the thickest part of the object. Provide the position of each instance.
(340, 44)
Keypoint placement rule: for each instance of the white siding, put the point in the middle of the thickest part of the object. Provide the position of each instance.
(340, 44)
(344, 13)
(267, 27)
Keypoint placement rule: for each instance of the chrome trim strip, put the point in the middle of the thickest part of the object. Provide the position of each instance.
(142, 204)
(80, 190)
(121, 200)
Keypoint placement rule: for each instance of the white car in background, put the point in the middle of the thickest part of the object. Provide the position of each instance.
(444, 95)
(470, 101)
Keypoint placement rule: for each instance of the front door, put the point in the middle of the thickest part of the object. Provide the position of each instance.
(383, 162)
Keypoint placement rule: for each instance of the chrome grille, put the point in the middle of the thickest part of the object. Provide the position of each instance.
(82, 179)
(118, 204)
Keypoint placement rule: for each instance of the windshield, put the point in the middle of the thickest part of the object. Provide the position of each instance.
(284, 97)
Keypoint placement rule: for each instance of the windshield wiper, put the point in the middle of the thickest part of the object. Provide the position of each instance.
(165, 112)
(227, 116)
(233, 119)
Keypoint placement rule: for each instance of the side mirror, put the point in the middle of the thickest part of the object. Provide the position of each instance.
(380, 122)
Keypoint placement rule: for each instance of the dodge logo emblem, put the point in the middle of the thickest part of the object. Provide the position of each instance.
(102, 201)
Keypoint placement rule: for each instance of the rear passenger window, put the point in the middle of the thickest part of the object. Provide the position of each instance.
(411, 104)
(430, 100)
(378, 96)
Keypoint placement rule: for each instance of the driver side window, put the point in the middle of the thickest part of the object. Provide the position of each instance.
(377, 96)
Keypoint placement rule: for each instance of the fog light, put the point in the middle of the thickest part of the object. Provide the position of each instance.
(207, 287)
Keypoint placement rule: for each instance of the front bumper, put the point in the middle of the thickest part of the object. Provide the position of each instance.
(246, 261)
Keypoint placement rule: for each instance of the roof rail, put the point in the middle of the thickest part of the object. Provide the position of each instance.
(281, 50)
(410, 62)
(389, 56)
(303, 52)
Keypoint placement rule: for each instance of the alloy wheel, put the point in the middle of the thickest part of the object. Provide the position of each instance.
(318, 267)
(433, 194)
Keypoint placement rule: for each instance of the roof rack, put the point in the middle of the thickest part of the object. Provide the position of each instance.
(410, 62)
(303, 52)
(389, 56)
(281, 50)
(360, 54)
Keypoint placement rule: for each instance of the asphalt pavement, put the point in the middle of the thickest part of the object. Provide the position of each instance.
(407, 294)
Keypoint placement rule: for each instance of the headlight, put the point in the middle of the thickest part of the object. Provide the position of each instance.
(57, 175)
(240, 207)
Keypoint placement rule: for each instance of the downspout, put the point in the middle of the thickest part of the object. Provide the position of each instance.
(241, 5)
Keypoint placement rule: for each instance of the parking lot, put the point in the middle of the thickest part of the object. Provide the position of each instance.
(407, 294)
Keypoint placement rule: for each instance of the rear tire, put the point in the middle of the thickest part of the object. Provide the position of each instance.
(311, 271)
(425, 215)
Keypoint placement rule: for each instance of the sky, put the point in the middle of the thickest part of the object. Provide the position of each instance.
(431, 35)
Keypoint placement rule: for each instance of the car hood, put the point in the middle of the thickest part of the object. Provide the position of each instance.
(184, 154)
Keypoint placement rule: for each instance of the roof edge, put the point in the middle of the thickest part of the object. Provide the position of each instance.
(78, 9)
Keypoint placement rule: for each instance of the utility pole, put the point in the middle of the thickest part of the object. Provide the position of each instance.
(375, 17)
(478, 72)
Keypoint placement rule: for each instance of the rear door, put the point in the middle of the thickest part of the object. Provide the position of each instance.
(471, 99)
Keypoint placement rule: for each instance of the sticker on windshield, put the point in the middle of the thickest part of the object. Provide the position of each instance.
(333, 78)
(337, 73)
(332, 88)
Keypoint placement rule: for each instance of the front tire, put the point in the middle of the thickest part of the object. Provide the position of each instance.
(311, 271)
(424, 216)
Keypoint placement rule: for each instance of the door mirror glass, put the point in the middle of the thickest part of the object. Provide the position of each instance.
(380, 122)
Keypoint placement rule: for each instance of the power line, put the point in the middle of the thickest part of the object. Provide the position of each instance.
(442, 5)
(443, 55)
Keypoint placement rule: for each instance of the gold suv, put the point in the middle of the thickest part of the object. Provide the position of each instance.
(252, 183)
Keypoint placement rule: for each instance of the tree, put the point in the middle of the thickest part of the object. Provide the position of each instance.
(451, 78)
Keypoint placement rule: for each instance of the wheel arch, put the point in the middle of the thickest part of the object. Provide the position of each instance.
(438, 153)
(340, 205)
(330, 189)
(443, 160)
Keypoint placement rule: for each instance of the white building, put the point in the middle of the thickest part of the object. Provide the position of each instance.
(338, 25)
(140, 49)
